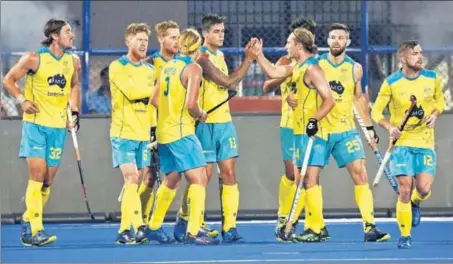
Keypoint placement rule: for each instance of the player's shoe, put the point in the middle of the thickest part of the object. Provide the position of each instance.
(280, 230)
(140, 235)
(373, 234)
(39, 239)
(25, 227)
(180, 229)
(126, 238)
(324, 234)
(232, 236)
(200, 239)
(308, 236)
(212, 233)
(416, 215)
(159, 235)
(405, 242)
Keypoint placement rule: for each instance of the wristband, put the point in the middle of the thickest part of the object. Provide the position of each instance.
(20, 99)
(370, 128)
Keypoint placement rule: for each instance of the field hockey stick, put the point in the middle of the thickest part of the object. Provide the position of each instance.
(79, 160)
(155, 164)
(289, 223)
(231, 94)
(376, 152)
(392, 144)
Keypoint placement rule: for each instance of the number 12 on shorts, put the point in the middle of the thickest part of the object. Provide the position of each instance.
(428, 160)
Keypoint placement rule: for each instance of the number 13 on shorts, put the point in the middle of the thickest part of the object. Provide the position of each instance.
(233, 143)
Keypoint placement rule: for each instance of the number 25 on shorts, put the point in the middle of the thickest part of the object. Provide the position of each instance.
(353, 146)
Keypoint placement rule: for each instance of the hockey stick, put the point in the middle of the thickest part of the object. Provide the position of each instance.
(376, 152)
(289, 223)
(79, 161)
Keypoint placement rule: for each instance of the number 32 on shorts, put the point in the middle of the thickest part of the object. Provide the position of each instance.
(353, 146)
(55, 153)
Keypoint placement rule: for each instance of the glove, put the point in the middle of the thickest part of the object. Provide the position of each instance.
(375, 136)
(312, 127)
(75, 120)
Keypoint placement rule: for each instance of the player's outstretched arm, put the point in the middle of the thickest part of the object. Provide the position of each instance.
(28, 62)
(193, 74)
(120, 80)
(272, 84)
(271, 72)
(315, 76)
(210, 71)
(361, 103)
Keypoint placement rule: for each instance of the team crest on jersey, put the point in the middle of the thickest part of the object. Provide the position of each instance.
(66, 69)
(336, 87)
(57, 79)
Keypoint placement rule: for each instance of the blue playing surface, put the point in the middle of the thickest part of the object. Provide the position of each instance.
(432, 242)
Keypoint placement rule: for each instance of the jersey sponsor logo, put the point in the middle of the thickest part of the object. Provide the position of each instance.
(336, 87)
(57, 79)
(417, 112)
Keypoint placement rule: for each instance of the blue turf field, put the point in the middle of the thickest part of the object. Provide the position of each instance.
(432, 242)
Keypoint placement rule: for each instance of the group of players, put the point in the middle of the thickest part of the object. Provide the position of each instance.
(170, 92)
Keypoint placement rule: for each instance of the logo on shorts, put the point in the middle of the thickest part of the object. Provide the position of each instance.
(57, 79)
(336, 87)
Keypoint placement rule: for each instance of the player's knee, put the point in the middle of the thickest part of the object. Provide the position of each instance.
(405, 193)
(172, 181)
(358, 173)
(131, 177)
(228, 176)
(423, 189)
(310, 182)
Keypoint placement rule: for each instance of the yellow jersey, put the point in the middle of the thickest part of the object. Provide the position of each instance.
(342, 84)
(287, 112)
(131, 87)
(308, 100)
(211, 94)
(50, 88)
(158, 62)
(174, 121)
(396, 91)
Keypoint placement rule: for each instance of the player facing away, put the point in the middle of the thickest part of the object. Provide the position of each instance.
(287, 187)
(218, 135)
(314, 102)
(52, 81)
(167, 33)
(131, 83)
(177, 102)
(344, 144)
(414, 154)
